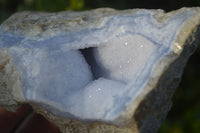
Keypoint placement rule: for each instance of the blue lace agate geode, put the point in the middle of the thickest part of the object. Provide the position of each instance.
(94, 65)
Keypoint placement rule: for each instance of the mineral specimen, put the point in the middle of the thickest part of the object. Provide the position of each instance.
(102, 70)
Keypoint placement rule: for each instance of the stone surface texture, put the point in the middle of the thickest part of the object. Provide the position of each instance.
(97, 71)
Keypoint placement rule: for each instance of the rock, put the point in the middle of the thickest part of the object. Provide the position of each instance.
(97, 71)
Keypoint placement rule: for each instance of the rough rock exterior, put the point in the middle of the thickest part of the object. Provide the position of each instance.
(27, 36)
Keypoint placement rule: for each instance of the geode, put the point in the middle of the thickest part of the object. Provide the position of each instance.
(102, 70)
